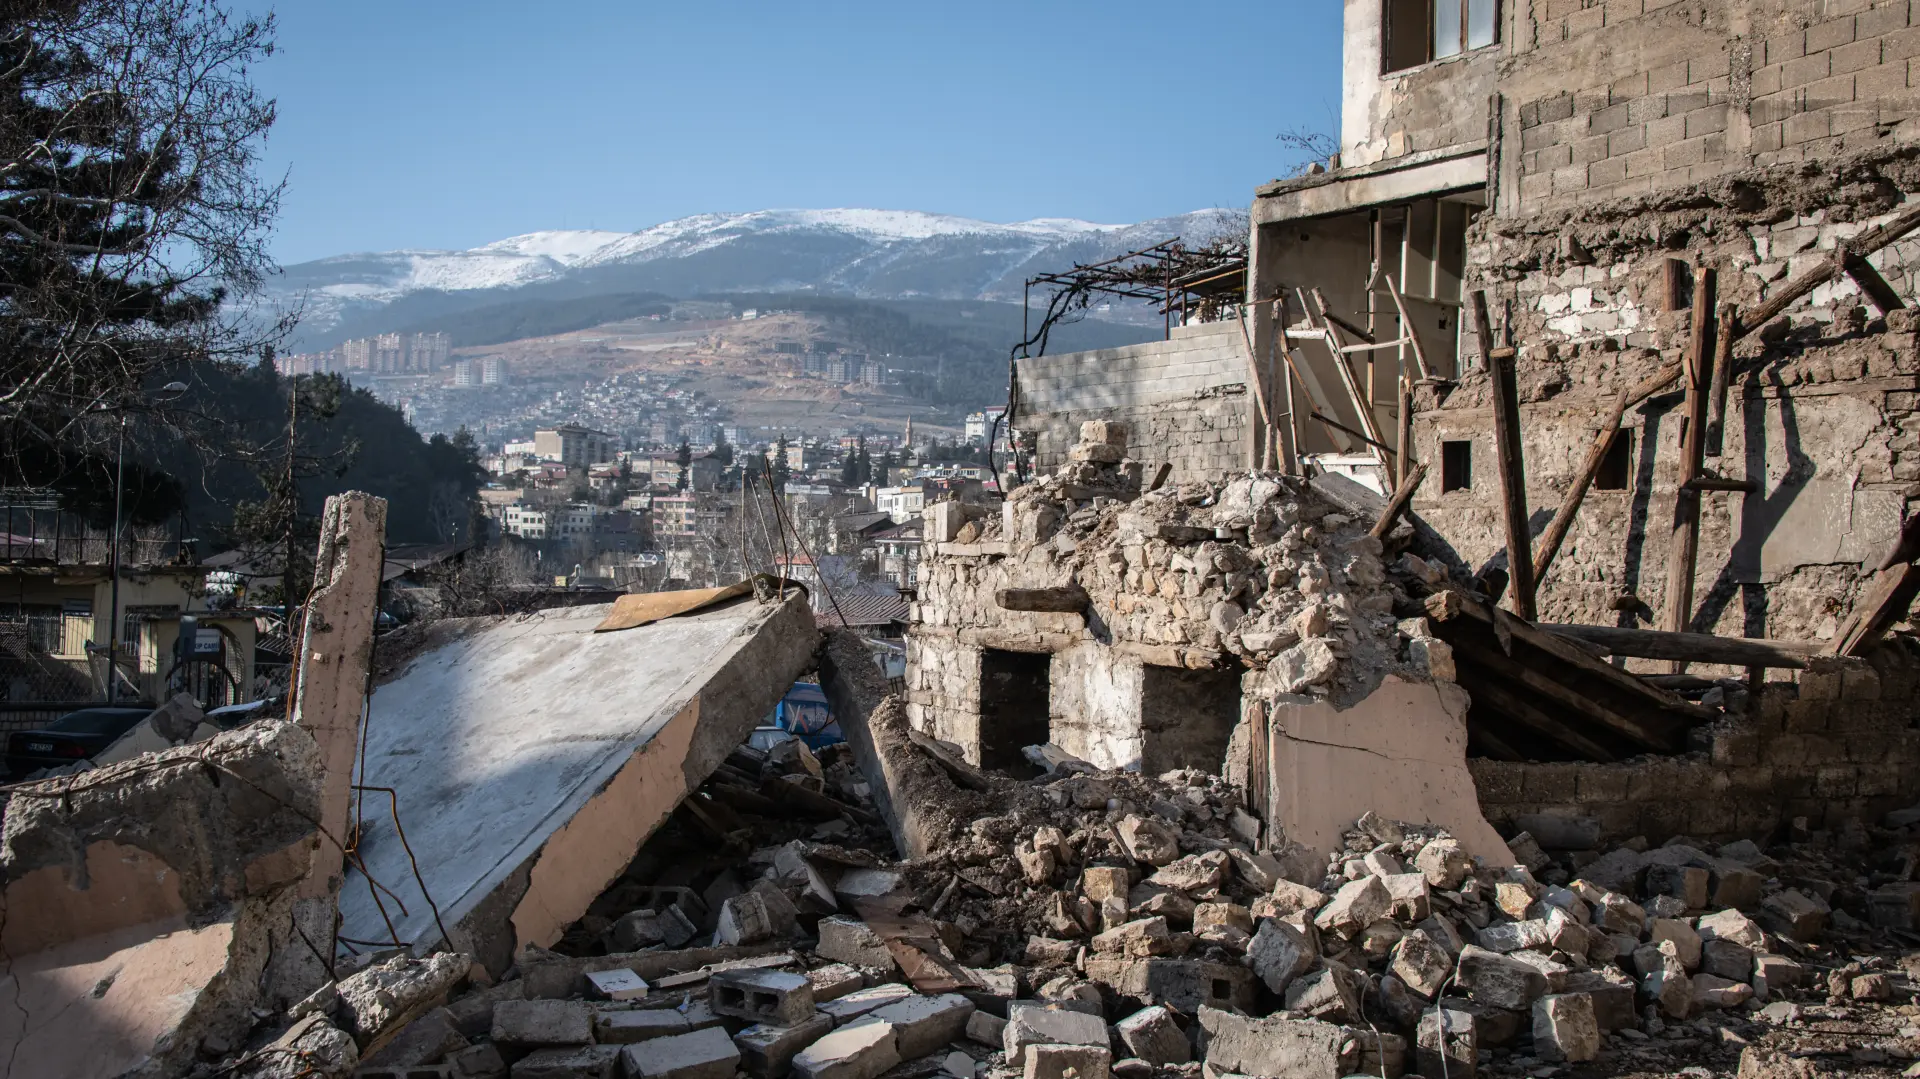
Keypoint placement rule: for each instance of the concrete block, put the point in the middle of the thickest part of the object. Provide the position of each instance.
(1097, 882)
(638, 1025)
(568, 1062)
(617, 984)
(1446, 1044)
(1333, 993)
(987, 1028)
(1279, 953)
(1686, 942)
(1684, 882)
(1725, 959)
(1154, 1036)
(1611, 993)
(701, 1054)
(848, 940)
(1710, 991)
(1564, 1028)
(1420, 963)
(1730, 925)
(834, 981)
(767, 1051)
(779, 997)
(844, 1010)
(1138, 938)
(1497, 981)
(542, 1022)
(1799, 915)
(1039, 1024)
(1355, 906)
(1277, 1047)
(1181, 984)
(423, 1041)
(924, 1024)
(860, 1050)
(1771, 973)
(481, 1061)
(1068, 1062)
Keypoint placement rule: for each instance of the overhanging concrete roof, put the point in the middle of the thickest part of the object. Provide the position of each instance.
(532, 757)
(1347, 192)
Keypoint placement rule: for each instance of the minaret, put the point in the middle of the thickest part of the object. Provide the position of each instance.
(909, 430)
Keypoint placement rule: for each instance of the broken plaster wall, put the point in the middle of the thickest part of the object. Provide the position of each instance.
(1423, 109)
(1820, 414)
(1841, 745)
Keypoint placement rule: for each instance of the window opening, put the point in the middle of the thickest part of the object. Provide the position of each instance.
(1456, 466)
(1616, 468)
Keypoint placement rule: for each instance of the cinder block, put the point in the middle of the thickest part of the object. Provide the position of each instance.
(568, 1062)
(779, 997)
(638, 1025)
(542, 1022)
(702, 1054)
(767, 1052)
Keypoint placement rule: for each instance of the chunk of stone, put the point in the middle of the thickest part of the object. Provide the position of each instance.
(1871, 986)
(843, 1010)
(1801, 916)
(1564, 1028)
(1068, 1062)
(617, 984)
(1148, 840)
(1611, 992)
(1444, 863)
(1612, 911)
(1146, 936)
(638, 1025)
(1042, 951)
(481, 1061)
(1513, 936)
(423, 1041)
(1358, 904)
(1669, 986)
(779, 997)
(924, 1024)
(1683, 882)
(1193, 872)
(866, 884)
(1098, 882)
(1725, 959)
(1513, 898)
(848, 940)
(1421, 964)
(767, 1051)
(1686, 942)
(833, 981)
(1444, 934)
(568, 1062)
(700, 1054)
(1290, 898)
(1733, 926)
(1498, 981)
(1040, 1024)
(1447, 1044)
(1282, 1048)
(1258, 870)
(1181, 984)
(542, 1022)
(375, 1003)
(1279, 953)
(986, 1028)
(1382, 864)
(1710, 991)
(860, 1050)
(1209, 915)
(744, 919)
(1154, 1036)
(644, 928)
(1411, 895)
(1526, 851)
(1772, 973)
(1895, 906)
(1332, 993)
(1036, 866)
(1730, 885)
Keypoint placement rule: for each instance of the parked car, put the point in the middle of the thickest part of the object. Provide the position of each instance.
(75, 736)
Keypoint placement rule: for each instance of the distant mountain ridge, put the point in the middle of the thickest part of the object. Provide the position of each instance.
(872, 254)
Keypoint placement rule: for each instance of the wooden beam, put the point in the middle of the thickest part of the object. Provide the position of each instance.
(1693, 647)
(1064, 599)
(1494, 746)
(1683, 546)
(1507, 455)
(1403, 440)
(1407, 329)
(1859, 247)
(1872, 284)
(1718, 483)
(1361, 405)
(1256, 447)
(1886, 601)
(1508, 703)
(1397, 505)
(1722, 375)
(1673, 282)
(1557, 528)
(1581, 703)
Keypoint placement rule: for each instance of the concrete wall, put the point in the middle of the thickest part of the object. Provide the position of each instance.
(1184, 400)
(1415, 111)
(1841, 745)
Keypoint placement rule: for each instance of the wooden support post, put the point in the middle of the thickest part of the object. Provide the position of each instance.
(1694, 647)
(1065, 598)
(1722, 373)
(1684, 545)
(1886, 600)
(1335, 348)
(1508, 456)
(1260, 431)
(1556, 532)
(1674, 282)
(1407, 329)
(1402, 495)
(1872, 284)
(1403, 442)
(1858, 247)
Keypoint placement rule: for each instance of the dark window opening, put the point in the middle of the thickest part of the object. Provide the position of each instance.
(1456, 466)
(1187, 717)
(1013, 708)
(1419, 31)
(1616, 468)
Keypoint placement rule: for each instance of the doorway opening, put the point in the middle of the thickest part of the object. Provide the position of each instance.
(1014, 705)
(1187, 717)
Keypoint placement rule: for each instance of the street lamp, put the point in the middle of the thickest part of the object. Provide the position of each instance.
(170, 392)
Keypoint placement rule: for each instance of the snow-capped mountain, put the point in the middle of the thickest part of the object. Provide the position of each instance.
(880, 254)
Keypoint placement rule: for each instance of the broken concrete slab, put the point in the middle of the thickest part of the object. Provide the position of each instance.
(860, 1050)
(1152, 1035)
(767, 1051)
(1185, 984)
(1032, 1023)
(702, 1054)
(519, 816)
(1276, 1046)
(924, 1024)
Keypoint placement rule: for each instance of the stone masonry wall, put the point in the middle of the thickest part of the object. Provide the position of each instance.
(1628, 97)
(1842, 744)
(1183, 400)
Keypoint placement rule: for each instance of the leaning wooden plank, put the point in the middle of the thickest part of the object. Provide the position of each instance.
(1493, 694)
(1451, 605)
(1534, 677)
(1859, 246)
(1683, 545)
(1066, 598)
(1508, 456)
(1361, 406)
(1722, 376)
(1693, 647)
(1556, 532)
(1872, 284)
(1402, 495)
(1886, 601)
(1406, 325)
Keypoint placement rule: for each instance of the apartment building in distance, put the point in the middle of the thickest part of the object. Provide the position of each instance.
(573, 445)
(382, 354)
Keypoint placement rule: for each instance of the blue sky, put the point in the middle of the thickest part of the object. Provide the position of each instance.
(430, 123)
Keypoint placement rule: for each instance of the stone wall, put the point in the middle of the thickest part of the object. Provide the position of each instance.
(1841, 745)
(1183, 400)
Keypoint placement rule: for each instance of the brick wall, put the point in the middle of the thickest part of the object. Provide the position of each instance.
(1841, 745)
(1628, 97)
(1184, 400)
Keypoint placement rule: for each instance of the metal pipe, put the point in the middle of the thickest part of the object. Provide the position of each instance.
(113, 561)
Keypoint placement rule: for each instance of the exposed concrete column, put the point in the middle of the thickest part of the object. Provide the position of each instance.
(336, 648)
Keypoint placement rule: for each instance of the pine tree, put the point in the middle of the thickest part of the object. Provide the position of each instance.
(684, 459)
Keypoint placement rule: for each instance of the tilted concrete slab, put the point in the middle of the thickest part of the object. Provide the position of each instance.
(532, 757)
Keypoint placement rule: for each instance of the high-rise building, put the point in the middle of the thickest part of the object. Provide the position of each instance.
(493, 371)
(466, 373)
(389, 354)
(427, 352)
(357, 354)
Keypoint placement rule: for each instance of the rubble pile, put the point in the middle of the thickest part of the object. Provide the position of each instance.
(1277, 570)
